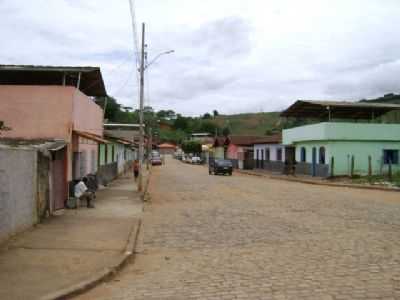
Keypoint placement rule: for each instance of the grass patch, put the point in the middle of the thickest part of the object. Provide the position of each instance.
(378, 180)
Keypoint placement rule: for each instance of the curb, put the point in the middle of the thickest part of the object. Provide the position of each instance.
(353, 186)
(103, 275)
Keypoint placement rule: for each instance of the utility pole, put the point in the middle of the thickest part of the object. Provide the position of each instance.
(149, 147)
(141, 132)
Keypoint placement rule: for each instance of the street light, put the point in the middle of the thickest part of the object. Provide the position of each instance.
(157, 57)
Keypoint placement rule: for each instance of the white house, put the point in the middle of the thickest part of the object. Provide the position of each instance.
(269, 153)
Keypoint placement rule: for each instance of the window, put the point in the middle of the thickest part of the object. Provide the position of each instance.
(257, 154)
(105, 154)
(262, 154)
(267, 155)
(279, 154)
(303, 154)
(391, 156)
(322, 155)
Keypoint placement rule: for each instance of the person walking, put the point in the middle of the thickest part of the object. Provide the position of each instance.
(136, 168)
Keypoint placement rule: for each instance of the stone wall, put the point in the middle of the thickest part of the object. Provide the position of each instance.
(18, 184)
(107, 173)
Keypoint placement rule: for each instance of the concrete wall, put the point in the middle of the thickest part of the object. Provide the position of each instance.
(232, 152)
(107, 173)
(52, 112)
(18, 177)
(218, 152)
(273, 150)
(36, 112)
(343, 132)
(87, 116)
(342, 151)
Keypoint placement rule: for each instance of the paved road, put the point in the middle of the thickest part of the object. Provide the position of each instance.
(244, 237)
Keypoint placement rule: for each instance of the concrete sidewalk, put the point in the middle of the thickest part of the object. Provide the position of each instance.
(314, 180)
(74, 250)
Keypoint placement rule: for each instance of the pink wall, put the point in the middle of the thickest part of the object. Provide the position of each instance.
(232, 151)
(36, 112)
(87, 116)
(51, 112)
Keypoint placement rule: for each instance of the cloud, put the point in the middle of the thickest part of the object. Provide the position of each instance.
(230, 55)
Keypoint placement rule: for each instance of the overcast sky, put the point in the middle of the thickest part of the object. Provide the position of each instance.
(230, 55)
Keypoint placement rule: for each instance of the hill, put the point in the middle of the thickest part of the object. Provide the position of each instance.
(249, 123)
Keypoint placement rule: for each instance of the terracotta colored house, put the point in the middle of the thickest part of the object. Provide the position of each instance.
(54, 103)
(167, 148)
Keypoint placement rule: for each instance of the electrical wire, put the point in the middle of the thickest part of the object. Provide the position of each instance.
(135, 41)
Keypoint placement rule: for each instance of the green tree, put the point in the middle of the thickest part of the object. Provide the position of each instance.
(206, 116)
(181, 123)
(191, 147)
(226, 131)
(208, 126)
(215, 113)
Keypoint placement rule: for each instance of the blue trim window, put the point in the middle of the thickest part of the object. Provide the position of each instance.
(267, 154)
(303, 154)
(322, 155)
(279, 154)
(390, 156)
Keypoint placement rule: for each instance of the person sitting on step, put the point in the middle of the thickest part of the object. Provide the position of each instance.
(82, 193)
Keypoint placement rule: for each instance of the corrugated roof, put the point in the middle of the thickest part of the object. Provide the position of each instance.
(91, 136)
(244, 140)
(270, 139)
(166, 146)
(247, 140)
(50, 145)
(337, 109)
(91, 80)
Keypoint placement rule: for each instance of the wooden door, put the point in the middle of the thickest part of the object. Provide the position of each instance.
(59, 179)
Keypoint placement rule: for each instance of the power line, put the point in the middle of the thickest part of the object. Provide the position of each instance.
(135, 41)
(125, 82)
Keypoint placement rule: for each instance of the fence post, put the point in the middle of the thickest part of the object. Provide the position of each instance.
(352, 166)
(369, 166)
(332, 167)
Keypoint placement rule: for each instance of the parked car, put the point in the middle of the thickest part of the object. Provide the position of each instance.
(220, 166)
(196, 160)
(156, 161)
(188, 159)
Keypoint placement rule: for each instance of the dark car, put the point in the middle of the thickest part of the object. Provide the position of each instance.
(220, 166)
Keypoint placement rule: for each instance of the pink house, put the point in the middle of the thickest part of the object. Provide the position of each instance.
(240, 150)
(54, 103)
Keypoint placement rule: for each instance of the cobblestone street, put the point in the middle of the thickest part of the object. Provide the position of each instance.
(245, 237)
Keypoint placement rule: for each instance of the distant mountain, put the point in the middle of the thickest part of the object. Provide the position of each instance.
(388, 98)
(391, 117)
(270, 122)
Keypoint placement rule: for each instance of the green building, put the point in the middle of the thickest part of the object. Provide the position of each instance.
(114, 158)
(338, 146)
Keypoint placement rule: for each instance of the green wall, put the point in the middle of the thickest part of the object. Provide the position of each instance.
(109, 153)
(343, 150)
